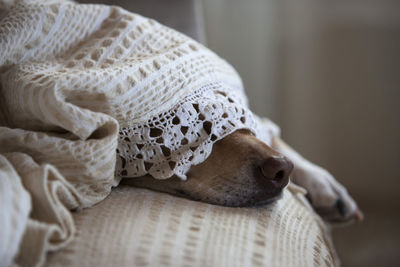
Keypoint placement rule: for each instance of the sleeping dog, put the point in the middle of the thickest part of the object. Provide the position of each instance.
(244, 171)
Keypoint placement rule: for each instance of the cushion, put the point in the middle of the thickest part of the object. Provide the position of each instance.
(138, 227)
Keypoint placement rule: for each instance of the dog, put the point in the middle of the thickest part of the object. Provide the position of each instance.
(244, 171)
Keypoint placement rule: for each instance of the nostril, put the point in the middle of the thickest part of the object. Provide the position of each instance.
(277, 170)
(279, 175)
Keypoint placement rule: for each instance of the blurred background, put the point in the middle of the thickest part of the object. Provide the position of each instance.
(328, 72)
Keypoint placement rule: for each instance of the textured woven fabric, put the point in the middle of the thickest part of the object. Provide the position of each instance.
(137, 227)
(90, 94)
(172, 97)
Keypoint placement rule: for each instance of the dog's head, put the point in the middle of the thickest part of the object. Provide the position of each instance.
(241, 171)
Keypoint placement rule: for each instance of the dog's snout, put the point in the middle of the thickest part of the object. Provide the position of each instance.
(277, 170)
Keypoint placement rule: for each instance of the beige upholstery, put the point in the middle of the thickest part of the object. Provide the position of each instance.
(137, 227)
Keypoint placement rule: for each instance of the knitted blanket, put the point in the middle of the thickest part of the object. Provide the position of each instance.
(90, 94)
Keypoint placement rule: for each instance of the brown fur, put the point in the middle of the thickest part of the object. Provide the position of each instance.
(231, 175)
(244, 171)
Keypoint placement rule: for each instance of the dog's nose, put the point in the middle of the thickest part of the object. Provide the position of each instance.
(277, 170)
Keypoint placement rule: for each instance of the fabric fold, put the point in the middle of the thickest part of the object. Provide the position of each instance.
(15, 205)
(50, 225)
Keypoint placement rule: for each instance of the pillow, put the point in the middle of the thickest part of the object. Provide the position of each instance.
(138, 227)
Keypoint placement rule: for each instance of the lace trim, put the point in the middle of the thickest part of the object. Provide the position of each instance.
(171, 142)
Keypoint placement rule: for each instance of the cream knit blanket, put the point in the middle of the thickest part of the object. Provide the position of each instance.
(85, 88)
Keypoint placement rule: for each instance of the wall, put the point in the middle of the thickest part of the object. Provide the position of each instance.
(328, 72)
(341, 84)
(245, 33)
